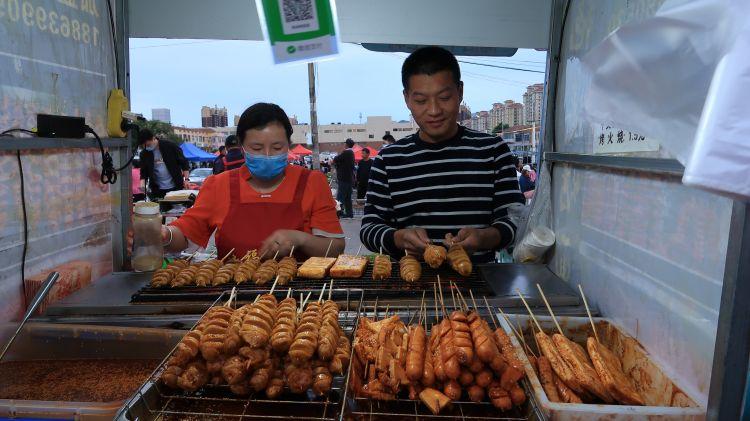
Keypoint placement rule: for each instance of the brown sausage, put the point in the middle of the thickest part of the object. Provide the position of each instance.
(481, 334)
(448, 350)
(517, 395)
(476, 365)
(452, 390)
(514, 372)
(476, 393)
(466, 378)
(499, 396)
(567, 395)
(415, 353)
(428, 373)
(484, 378)
(546, 377)
(437, 361)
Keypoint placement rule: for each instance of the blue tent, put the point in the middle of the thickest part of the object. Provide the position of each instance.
(194, 153)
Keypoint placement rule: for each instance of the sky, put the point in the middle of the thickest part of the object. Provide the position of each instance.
(184, 75)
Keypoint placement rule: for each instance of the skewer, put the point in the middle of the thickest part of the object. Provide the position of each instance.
(453, 295)
(529, 309)
(330, 289)
(231, 297)
(381, 250)
(473, 301)
(515, 332)
(375, 309)
(308, 297)
(320, 298)
(228, 254)
(359, 249)
(330, 243)
(301, 302)
(442, 302)
(387, 308)
(519, 334)
(554, 319)
(256, 298)
(289, 293)
(274, 285)
(263, 255)
(492, 316)
(461, 296)
(191, 256)
(276, 255)
(421, 308)
(593, 327)
(245, 256)
(411, 319)
(291, 253)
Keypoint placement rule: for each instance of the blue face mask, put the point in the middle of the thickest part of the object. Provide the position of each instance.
(150, 148)
(265, 167)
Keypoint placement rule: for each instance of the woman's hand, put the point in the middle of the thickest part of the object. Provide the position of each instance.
(282, 241)
(164, 238)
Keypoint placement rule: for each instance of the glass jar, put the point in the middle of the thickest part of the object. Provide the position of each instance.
(148, 250)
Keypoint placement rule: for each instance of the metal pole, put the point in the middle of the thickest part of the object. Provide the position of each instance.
(124, 204)
(313, 116)
(732, 347)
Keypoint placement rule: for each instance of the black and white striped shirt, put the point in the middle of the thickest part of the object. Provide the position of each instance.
(467, 181)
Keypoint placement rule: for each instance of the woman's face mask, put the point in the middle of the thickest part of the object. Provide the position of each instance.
(265, 167)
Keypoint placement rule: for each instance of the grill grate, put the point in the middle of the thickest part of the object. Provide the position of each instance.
(154, 401)
(392, 287)
(402, 408)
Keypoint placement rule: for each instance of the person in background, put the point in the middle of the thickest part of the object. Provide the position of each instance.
(363, 173)
(234, 158)
(532, 173)
(388, 139)
(525, 182)
(162, 164)
(218, 165)
(135, 182)
(344, 163)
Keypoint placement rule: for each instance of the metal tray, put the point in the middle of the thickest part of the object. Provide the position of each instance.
(667, 400)
(63, 341)
(155, 401)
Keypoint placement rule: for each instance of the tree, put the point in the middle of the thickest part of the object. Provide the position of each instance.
(499, 128)
(160, 129)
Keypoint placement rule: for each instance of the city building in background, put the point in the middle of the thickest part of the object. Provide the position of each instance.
(532, 104)
(214, 117)
(523, 141)
(206, 138)
(513, 113)
(161, 114)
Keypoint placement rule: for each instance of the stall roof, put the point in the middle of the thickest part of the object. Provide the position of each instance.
(194, 153)
(472, 23)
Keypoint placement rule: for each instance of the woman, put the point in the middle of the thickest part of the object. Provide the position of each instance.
(266, 204)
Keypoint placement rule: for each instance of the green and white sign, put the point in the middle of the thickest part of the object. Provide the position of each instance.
(299, 30)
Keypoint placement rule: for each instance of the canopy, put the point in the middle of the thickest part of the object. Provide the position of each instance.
(358, 152)
(292, 156)
(301, 150)
(194, 153)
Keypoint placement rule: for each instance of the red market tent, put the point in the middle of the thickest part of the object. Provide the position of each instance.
(292, 156)
(301, 150)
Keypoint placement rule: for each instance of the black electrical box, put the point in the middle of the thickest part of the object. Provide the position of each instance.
(60, 126)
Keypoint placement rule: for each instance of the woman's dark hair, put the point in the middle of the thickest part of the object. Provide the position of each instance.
(260, 115)
(428, 61)
(144, 135)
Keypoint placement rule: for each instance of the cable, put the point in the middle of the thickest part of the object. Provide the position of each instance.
(25, 223)
(114, 43)
(17, 130)
(500, 67)
(109, 174)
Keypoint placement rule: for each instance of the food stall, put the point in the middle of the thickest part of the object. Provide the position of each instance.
(664, 266)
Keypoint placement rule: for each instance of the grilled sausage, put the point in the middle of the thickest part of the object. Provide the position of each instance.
(340, 361)
(287, 270)
(206, 272)
(328, 337)
(234, 370)
(452, 390)
(484, 345)
(410, 268)
(275, 384)
(215, 331)
(381, 267)
(434, 255)
(462, 337)
(224, 274)
(546, 378)
(266, 272)
(499, 397)
(476, 393)
(517, 395)
(258, 322)
(322, 378)
(246, 269)
(483, 378)
(514, 371)
(448, 350)
(306, 336)
(415, 355)
(459, 260)
(282, 334)
(466, 378)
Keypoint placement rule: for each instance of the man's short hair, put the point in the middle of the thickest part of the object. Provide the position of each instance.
(222, 148)
(428, 61)
(366, 150)
(349, 142)
(231, 141)
(389, 138)
(144, 135)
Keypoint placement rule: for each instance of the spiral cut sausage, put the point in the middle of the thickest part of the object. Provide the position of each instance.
(186, 276)
(410, 268)
(163, 277)
(299, 377)
(459, 260)
(246, 269)
(287, 270)
(262, 375)
(322, 378)
(224, 274)
(434, 255)
(306, 336)
(214, 332)
(340, 361)
(207, 271)
(285, 325)
(381, 267)
(266, 272)
(328, 338)
(275, 384)
(258, 322)
(193, 377)
(234, 370)
(462, 337)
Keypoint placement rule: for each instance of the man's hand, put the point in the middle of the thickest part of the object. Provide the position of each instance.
(413, 240)
(474, 239)
(282, 241)
(129, 240)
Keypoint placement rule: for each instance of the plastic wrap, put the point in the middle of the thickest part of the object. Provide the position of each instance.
(652, 76)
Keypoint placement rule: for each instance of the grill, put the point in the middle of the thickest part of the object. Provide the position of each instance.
(393, 287)
(402, 408)
(154, 401)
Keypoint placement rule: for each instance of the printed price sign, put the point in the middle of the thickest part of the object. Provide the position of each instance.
(299, 30)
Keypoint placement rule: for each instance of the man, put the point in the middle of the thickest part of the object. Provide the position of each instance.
(363, 173)
(388, 139)
(162, 164)
(344, 163)
(526, 183)
(235, 157)
(218, 166)
(445, 183)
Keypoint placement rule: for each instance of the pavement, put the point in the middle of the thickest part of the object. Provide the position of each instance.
(351, 232)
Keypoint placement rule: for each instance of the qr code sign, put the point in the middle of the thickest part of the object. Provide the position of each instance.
(298, 10)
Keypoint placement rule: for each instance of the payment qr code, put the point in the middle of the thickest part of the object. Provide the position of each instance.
(297, 10)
